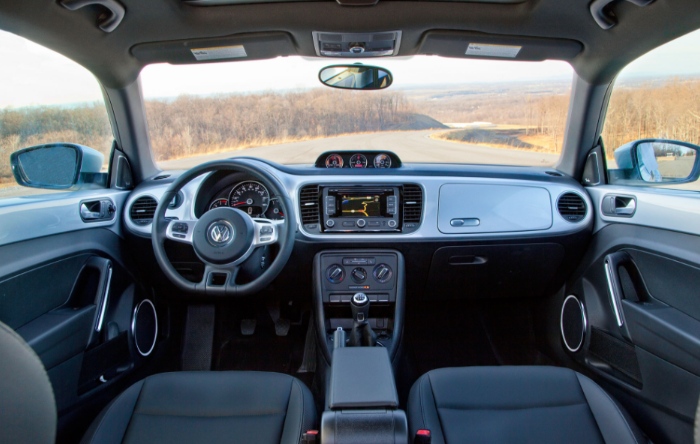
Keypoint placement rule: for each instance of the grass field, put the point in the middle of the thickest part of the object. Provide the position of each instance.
(502, 136)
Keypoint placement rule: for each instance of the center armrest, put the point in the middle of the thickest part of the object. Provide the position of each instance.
(361, 377)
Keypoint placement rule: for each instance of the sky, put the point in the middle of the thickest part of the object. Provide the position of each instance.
(33, 75)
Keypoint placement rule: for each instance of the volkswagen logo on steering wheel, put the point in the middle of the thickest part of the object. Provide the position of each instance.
(220, 233)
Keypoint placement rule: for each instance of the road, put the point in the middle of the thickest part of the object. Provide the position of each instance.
(410, 146)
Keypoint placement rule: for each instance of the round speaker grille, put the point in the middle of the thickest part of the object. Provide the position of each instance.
(144, 327)
(573, 323)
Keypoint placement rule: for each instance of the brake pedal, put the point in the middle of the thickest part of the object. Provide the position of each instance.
(282, 326)
(248, 326)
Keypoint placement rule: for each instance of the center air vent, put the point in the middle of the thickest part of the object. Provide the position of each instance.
(308, 204)
(412, 204)
(142, 210)
(572, 207)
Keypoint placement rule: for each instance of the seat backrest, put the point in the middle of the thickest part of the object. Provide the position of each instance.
(27, 406)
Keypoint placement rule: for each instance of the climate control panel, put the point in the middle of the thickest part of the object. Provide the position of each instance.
(345, 274)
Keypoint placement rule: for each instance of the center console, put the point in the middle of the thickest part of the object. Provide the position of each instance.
(378, 274)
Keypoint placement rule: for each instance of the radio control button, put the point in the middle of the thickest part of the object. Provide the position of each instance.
(349, 223)
(330, 223)
(361, 223)
(392, 223)
(373, 223)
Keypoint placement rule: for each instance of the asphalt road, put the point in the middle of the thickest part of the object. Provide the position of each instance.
(410, 146)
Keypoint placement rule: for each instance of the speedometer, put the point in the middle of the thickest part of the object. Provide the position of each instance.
(251, 197)
(358, 161)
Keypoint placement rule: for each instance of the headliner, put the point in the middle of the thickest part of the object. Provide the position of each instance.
(605, 52)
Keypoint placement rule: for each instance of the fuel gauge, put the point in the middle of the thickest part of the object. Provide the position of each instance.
(274, 211)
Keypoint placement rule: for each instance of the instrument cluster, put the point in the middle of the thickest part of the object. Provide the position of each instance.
(250, 197)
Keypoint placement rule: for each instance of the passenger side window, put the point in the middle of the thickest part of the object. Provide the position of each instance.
(47, 99)
(652, 127)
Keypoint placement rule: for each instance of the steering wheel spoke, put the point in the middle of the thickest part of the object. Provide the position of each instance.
(180, 230)
(219, 278)
(267, 232)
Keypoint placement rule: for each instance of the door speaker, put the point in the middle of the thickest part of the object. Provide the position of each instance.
(144, 327)
(573, 323)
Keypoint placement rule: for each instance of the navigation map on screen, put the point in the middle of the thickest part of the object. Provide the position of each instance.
(360, 206)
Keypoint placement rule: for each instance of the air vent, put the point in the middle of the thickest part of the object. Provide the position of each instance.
(142, 210)
(161, 177)
(308, 204)
(572, 207)
(412, 204)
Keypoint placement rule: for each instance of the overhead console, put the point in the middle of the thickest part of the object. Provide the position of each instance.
(365, 44)
(371, 208)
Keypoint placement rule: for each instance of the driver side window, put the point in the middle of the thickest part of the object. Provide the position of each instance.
(652, 127)
(46, 98)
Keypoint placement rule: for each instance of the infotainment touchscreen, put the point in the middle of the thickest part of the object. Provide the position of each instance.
(360, 205)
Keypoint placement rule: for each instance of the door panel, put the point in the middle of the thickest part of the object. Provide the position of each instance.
(71, 296)
(654, 356)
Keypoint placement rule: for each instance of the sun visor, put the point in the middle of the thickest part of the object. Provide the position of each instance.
(254, 46)
(488, 46)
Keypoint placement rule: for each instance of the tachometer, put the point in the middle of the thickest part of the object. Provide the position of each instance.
(218, 203)
(274, 211)
(251, 197)
(334, 161)
(382, 161)
(358, 161)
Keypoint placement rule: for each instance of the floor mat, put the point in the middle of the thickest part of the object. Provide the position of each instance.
(262, 351)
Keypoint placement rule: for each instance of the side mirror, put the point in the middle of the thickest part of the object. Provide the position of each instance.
(655, 162)
(355, 77)
(58, 166)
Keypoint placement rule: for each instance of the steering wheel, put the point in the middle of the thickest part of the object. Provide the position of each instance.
(224, 238)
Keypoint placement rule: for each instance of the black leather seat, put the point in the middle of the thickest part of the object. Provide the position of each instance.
(207, 407)
(506, 405)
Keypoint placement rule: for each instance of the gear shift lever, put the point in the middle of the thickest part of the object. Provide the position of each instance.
(359, 304)
(362, 334)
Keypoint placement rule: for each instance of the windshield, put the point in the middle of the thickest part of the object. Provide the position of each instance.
(437, 110)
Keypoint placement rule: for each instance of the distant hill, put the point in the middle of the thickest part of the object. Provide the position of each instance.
(418, 122)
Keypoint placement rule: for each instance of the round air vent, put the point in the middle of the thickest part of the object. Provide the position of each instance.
(573, 323)
(572, 207)
(142, 210)
(144, 327)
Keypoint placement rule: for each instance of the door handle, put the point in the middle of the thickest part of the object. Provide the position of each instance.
(110, 21)
(86, 214)
(601, 12)
(619, 205)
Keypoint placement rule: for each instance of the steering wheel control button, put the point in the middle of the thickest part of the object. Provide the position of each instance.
(180, 228)
(361, 223)
(220, 233)
(266, 230)
(330, 223)
(359, 275)
(392, 223)
(382, 273)
(335, 274)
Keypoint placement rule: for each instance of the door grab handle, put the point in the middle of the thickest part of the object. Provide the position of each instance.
(602, 16)
(613, 295)
(618, 205)
(106, 23)
(104, 301)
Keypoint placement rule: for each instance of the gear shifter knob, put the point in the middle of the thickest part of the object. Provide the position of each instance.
(360, 308)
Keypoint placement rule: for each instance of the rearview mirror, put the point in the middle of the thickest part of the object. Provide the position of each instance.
(355, 77)
(656, 161)
(58, 166)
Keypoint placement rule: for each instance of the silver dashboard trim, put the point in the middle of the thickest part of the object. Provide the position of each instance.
(431, 188)
(105, 301)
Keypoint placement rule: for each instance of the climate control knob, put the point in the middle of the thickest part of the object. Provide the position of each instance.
(335, 274)
(358, 275)
(382, 273)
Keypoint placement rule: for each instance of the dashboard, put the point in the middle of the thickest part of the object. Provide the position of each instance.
(410, 202)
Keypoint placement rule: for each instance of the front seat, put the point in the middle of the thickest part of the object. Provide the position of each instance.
(504, 405)
(207, 407)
